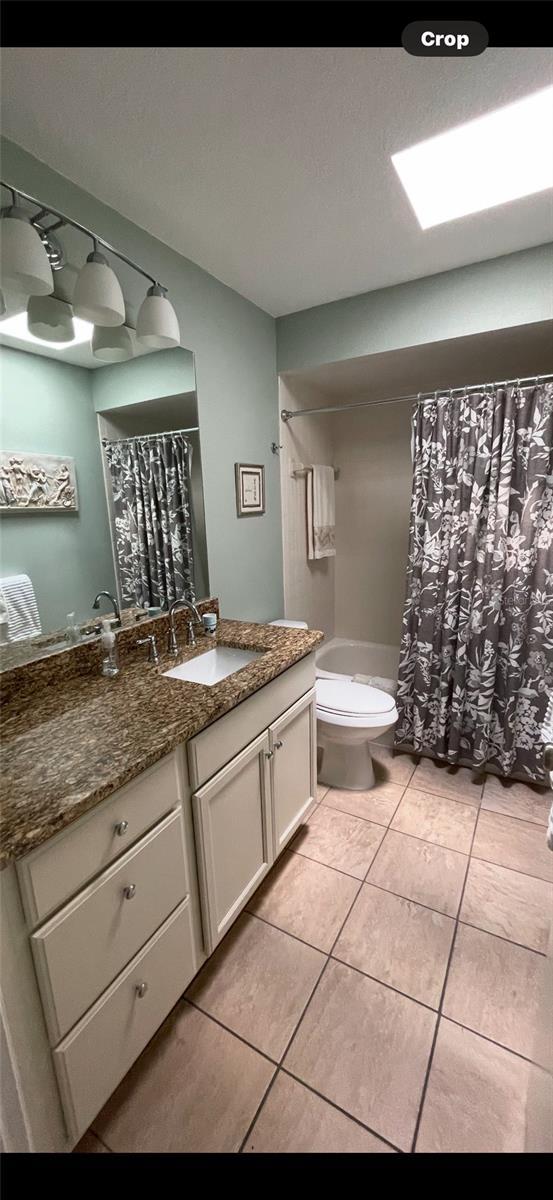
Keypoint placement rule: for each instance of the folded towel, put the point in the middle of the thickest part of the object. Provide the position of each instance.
(378, 681)
(321, 520)
(20, 601)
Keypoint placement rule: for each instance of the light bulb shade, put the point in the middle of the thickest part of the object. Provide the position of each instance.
(157, 326)
(98, 297)
(24, 264)
(112, 345)
(50, 319)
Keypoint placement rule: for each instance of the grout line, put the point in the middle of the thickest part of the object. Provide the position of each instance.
(370, 820)
(426, 791)
(440, 912)
(512, 817)
(442, 997)
(263, 1053)
(257, 1112)
(295, 936)
(298, 1026)
(492, 862)
(500, 1045)
(502, 938)
(414, 999)
(357, 1120)
(323, 864)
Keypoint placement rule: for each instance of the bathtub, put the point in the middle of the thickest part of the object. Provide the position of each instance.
(342, 658)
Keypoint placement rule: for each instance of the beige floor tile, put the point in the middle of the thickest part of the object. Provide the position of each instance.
(476, 1097)
(306, 899)
(505, 902)
(398, 942)
(365, 1048)
(294, 1120)
(322, 789)
(436, 819)
(459, 783)
(90, 1144)
(419, 871)
(493, 988)
(196, 1088)
(517, 800)
(257, 983)
(391, 766)
(339, 840)
(515, 844)
(377, 805)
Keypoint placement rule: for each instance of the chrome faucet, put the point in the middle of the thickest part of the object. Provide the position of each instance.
(172, 644)
(116, 609)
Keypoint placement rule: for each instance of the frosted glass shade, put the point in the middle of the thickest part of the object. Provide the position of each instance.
(24, 264)
(50, 319)
(98, 297)
(112, 345)
(157, 326)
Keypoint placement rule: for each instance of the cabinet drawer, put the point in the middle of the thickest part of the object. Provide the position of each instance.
(54, 872)
(99, 1051)
(81, 950)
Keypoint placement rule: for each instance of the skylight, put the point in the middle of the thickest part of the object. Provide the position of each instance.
(489, 161)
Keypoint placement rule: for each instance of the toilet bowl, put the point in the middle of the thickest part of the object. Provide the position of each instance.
(349, 717)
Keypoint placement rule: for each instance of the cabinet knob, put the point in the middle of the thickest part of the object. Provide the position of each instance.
(548, 758)
(121, 828)
(141, 989)
(269, 753)
(278, 745)
(129, 891)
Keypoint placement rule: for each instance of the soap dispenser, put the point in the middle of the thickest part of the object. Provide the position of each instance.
(110, 659)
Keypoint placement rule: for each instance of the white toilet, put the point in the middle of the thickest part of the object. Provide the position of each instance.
(349, 717)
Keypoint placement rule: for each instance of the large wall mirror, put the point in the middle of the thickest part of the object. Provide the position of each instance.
(100, 481)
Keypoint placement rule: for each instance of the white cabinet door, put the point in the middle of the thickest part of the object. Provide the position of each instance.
(232, 822)
(293, 768)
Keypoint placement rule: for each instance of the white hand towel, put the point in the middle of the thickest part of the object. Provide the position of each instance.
(19, 597)
(321, 521)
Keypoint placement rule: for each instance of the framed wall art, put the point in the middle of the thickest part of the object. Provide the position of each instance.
(250, 489)
(37, 482)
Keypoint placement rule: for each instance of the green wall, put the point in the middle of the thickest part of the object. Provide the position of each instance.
(47, 406)
(165, 373)
(234, 349)
(501, 292)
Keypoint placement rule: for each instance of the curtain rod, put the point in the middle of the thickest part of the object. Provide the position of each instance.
(287, 414)
(47, 210)
(141, 436)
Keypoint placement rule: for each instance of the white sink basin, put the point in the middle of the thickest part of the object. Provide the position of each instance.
(214, 665)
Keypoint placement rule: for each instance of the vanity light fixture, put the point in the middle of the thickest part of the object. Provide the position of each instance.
(50, 320)
(98, 297)
(25, 266)
(501, 156)
(112, 345)
(16, 326)
(157, 326)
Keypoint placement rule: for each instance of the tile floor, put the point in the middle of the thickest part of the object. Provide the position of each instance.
(378, 995)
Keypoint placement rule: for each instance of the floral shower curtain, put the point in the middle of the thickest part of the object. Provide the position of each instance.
(153, 537)
(476, 660)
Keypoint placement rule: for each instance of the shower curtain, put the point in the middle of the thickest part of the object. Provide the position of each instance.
(476, 661)
(153, 537)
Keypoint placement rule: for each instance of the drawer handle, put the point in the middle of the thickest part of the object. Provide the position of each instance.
(129, 891)
(278, 745)
(121, 828)
(141, 989)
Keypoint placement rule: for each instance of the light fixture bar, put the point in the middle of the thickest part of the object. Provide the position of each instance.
(43, 211)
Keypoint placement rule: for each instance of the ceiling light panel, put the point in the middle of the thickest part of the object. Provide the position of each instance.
(489, 161)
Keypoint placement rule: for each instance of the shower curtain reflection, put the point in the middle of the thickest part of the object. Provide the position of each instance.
(150, 482)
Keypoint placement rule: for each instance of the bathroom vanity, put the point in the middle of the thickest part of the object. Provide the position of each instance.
(165, 828)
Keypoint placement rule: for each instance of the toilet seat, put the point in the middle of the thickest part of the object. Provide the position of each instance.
(342, 702)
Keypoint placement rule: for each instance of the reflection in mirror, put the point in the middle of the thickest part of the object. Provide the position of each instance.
(100, 489)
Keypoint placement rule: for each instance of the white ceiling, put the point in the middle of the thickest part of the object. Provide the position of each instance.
(270, 167)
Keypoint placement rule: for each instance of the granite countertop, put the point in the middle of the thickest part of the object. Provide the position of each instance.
(74, 744)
